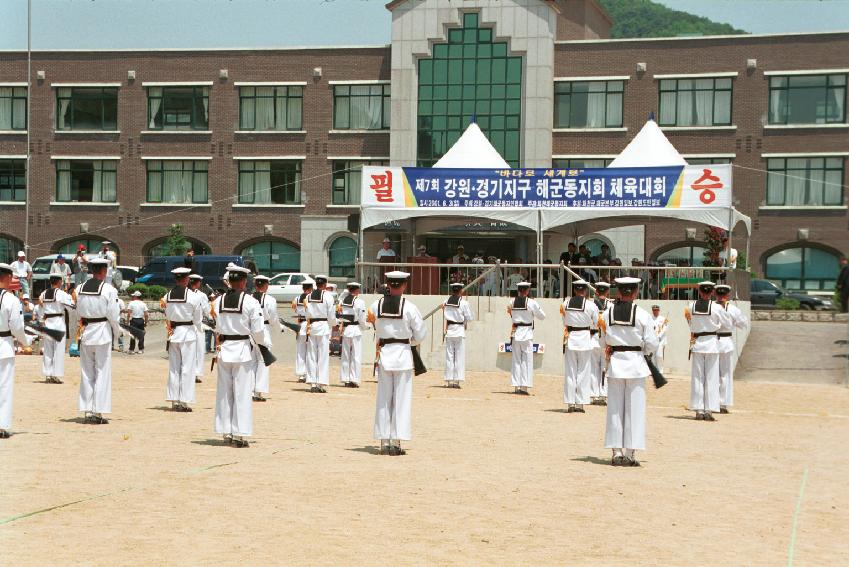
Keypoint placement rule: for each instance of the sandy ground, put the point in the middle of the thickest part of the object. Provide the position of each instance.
(489, 478)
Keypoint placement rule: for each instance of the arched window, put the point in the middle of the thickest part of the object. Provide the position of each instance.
(684, 256)
(92, 246)
(272, 257)
(803, 268)
(9, 248)
(594, 246)
(159, 248)
(343, 252)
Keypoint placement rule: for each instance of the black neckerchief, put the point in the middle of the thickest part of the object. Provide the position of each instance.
(702, 307)
(232, 301)
(317, 296)
(50, 295)
(576, 303)
(178, 294)
(348, 300)
(601, 303)
(391, 307)
(259, 296)
(520, 303)
(92, 287)
(303, 296)
(623, 313)
(453, 301)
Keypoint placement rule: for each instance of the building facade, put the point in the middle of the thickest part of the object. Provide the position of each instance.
(258, 151)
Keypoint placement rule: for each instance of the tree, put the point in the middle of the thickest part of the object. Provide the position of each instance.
(176, 245)
(644, 18)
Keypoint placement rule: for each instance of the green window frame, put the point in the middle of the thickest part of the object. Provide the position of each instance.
(580, 163)
(269, 182)
(709, 161)
(178, 181)
(470, 77)
(361, 107)
(704, 101)
(807, 99)
(803, 268)
(86, 181)
(13, 108)
(264, 108)
(342, 257)
(347, 179)
(178, 108)
(86, 108)
(272, 257)
(693, 255)
(13, 180)
(805, 181)
(588, 104)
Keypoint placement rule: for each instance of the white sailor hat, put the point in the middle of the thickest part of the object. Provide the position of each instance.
(707, 283)
(655, 306)
(627, 281)
(308, 281)
(136, 293)
(353, 284)
(580, 283)
(320, 277)
(25, 296)
(261, 278)
(235, 272)
(523, 284)
(387, 239)
(603, 285)
(98, 262)
(180, 272)
(105, 242)
(195, 277)
(21, 253)
(458, 285)
(5, 268)
(397, 275)
(723, 288)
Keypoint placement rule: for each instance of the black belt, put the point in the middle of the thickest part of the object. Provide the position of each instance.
(301, 319)
(394, 341)
(5, 333)
(86, 321)
(50, 315)
(523, 324)
(625, 348)
(347, 317)
(347, 323)
(455, 322)
(266, 323)
(593, 332)
(317, 320)
(223, 338)
(180, 323)
(721, 335)
(573, 329)
(710, 334)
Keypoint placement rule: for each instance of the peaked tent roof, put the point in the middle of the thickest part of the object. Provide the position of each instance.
(472, 151)
(649, 148)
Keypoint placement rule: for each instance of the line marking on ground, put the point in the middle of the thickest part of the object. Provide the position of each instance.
(791, 548)
(65, 505)
(202, 469)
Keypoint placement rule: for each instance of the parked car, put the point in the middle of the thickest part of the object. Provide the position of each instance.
(41, 272)
(765, 293)
(286, 287)
(128, 276)
(158, 270)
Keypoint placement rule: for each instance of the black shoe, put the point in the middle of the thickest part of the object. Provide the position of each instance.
(99, 420)
(241, 443)
(618, 461)
(198, 380)
(4, 434)
(384, 449)
(602, 401)
(57, 380)
(631, 462)
(228, 438)
(570, 409)
(709, 417)
(524, 392)
(700, 416)
(302, 380)
(354, 385)
(580, 409)
(724, 410)
(187, 409)
(322, 390)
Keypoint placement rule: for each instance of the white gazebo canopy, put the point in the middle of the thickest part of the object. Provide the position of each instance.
(472, 150)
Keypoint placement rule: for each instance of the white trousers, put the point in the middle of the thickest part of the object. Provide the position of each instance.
(318, 360)
(233, 409)
(181, 372)
(455, 358)
(726, 379)
(658, 357)
(7, 384)
(598, 364)
(260, 373)
(352, 359)
(199, 352)
(393, 416)
(626, 414)
(301, 356)
(522, 373)
(96, 378)
(53, 357)
(576, 384)
(704, 383)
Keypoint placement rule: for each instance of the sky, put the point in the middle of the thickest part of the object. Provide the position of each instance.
(117, 24)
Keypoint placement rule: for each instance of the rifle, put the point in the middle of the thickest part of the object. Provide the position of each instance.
(136, 332)
(268, 357)
(418, 364)
(657, 377)
(290, 325)
(55, 334)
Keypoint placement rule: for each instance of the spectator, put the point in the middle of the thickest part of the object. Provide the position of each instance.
(478, 259)
(63, 269)
(22, 270)
(728, 255)
(603, 258)
(422, 252)
(583, 252)
(460, 257)
(843, 285)
(79, 266)
(513, 281)
(490, 281)
(587, 273)
(570, 256)
(109, 255)
(386, 251)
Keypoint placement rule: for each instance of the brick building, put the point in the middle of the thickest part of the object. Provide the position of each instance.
(257, 151)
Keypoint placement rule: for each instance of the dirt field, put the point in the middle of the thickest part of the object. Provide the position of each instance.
(489, 478)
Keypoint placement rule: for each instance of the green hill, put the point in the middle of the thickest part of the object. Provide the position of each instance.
(644, 18)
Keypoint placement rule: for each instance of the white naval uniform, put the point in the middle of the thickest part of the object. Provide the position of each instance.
(598, 366)
(522, 371)
(11, 328)
(319, 305)
(456, 317)
(237, 315)
(96, 300)
(578, 313)
(732, 318)
(393, 417)
(268, 305)
(704, 372)
(661, 325)
(54, 301)
(200, 347)
(183, 307)
(301, 338)
(353, 317)
(626, 375)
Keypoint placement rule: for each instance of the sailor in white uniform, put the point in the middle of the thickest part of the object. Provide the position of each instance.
(99, 313)
(457, 314)
(523, 310)
(195, 282)
(580, 318)
(398, 328)
(661, 324)
(733, 319)
(269, 319)
(299, 306)
(53, 303)
(239, 319)
(598, 366)
(630, 337)
(321, 318)
(705, 320)
(352, 318)
(11, 328)
(183, 314)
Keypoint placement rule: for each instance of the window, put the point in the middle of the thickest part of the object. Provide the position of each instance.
(588, 104)
(361, 107)
(178, 108)
(86, 108)
(803, 268)
(92, 247)
(271, 108)
(804, 181)
(272, 257)
(708, 161)
(343, 253)
(807, 99)
(695, 102)
(9, 249)
(177, 181)
(275, 182)
(13, 108)
(580, 163)
(84, 181)
(469, 77)
(347, 176)
(13, 179)
(693, 256)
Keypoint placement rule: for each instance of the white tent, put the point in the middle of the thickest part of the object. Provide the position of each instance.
(472, 150)
(649, 148)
